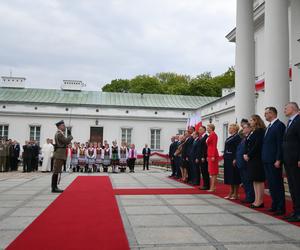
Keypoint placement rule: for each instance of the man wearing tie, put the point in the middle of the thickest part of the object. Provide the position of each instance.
(272, 160)
(203, 158)
(291, 157)
(146, 155)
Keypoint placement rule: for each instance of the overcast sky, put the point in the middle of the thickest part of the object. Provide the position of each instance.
(96, 41)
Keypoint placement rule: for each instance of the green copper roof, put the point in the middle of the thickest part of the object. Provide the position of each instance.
(97, 98)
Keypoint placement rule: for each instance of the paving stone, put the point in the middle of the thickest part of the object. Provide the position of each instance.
(236, 208)
(14, 197)
(137, 197)
(167, 235)
(221, 201)
(216, 219)
(38, 203)
(4, 210)
(198, 209)
(288, 230)
(194, 201)
(180, 247)
(177, 196)
(15, 223)
(46, 197)
(28, 211)
(142, 202)
(262, 247)
(9, 203)
(156, 220)
(6, 237)
(148, 210)
(240, 234)
(262, 218)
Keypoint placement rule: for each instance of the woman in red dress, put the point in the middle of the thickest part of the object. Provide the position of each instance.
(212, 156)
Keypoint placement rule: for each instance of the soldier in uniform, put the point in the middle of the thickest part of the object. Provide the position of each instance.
(59, 155)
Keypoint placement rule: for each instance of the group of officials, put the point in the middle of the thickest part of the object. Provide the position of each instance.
(253, 155)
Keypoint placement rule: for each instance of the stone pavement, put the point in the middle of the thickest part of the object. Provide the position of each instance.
(163, 222)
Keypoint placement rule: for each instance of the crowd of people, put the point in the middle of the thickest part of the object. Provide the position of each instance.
(80, 157)
(253, 154)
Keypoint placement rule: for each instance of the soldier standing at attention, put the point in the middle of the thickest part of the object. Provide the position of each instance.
(59, 155)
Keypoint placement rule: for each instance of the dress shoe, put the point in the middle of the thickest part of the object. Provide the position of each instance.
(289, 216)
(271, 210)
(57, 190)
(294, 219)
(204, 188)
(254, 206)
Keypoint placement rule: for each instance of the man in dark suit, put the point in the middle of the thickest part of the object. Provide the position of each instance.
(272, 160)
(186, 153)
(172, 149)
(203, 158)
(195, 159)
(291, 157)
(146, 155)
(27, 157)
(15, 155)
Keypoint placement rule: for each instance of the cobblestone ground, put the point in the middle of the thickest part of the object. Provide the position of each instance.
(163, 222)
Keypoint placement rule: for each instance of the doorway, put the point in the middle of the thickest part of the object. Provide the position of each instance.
(96, 134)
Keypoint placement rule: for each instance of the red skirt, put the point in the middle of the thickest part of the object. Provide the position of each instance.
(213, 166)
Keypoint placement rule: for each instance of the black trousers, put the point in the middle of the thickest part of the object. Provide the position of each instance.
(276, 186)
(27, 165)
(131, 163)
(195, 171)
(173, 167)
(205, 174)
(14, 163)
(293, 175)
(146, 163)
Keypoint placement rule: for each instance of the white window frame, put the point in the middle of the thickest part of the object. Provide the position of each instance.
(2, 129)
(127, 139)
(155, 143)
(225, 131)
(181, 130)
(35, 133)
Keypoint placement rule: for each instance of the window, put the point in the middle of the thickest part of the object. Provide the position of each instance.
(126, 135)
(225, 132)
(4, 131)
(155, 138)
(68, 131)
(35, 133)
(181, 131)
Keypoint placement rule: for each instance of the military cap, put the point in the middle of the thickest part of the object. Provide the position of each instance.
(59, 123)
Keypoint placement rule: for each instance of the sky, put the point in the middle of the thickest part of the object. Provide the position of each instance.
(96, 41)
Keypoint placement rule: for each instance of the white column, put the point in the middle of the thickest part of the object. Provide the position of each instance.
(244, 61)
(295, 50)
(276, 54)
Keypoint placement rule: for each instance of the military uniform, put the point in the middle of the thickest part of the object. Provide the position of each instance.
(59, 155)
(3, 155)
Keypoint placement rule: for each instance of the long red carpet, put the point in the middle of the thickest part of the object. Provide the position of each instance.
(84, 216)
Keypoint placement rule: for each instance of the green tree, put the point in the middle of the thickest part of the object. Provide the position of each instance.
(118, 85)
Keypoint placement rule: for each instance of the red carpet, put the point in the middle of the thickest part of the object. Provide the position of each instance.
(85, 216)
(158, 191)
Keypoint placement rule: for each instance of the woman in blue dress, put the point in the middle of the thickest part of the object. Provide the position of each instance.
(231, 172)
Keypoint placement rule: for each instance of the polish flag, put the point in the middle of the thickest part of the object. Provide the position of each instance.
(194, 121)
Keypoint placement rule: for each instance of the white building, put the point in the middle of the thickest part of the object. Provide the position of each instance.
(31, 114)
(267, 37)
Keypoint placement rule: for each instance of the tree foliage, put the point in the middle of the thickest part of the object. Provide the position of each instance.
(171, 83)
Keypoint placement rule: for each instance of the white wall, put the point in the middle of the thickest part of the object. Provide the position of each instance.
(20, 117)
